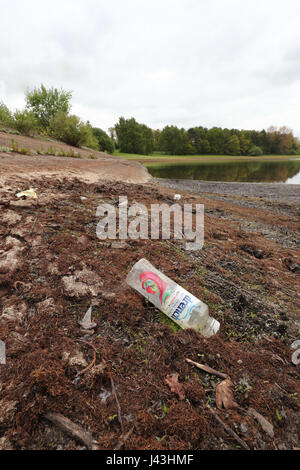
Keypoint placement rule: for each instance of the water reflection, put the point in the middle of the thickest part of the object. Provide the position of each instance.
(267, 171)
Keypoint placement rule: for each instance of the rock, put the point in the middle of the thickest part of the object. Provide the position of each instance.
(244, 428)
(119, 245)
(291, 265)
(75, 359)
(11, 260)
(10, 218)
(108, 295)
(23, 204)
(82, 283)
(15, 312)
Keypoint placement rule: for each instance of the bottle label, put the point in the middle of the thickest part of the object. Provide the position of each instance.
(180, 305)
(177, 304)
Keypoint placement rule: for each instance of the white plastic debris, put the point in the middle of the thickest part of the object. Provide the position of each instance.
(2, 353)
(173, 300)
(177, 197)
(30, 193)
(87, 323)
(296, 355)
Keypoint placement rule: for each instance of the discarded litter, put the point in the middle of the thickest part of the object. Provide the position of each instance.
(174, 301)
(30, 193)
(87, 323)
(296, 355)
(2, 353)
(177, 197)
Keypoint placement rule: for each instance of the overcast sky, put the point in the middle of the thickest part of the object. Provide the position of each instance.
(227, 63)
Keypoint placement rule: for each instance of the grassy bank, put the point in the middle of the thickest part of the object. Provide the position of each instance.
(160, 157)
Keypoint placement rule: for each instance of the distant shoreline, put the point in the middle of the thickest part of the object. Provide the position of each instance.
(279, 192)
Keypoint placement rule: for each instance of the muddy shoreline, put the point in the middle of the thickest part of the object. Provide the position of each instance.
(53, 268)
(288, 193)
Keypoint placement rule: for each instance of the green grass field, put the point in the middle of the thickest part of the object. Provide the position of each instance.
(159, 157)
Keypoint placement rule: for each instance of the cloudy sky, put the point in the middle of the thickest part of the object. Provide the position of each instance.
(227, 63)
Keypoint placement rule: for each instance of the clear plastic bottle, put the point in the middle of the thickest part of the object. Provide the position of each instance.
(177, 303)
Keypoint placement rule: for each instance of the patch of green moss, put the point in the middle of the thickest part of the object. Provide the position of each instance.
(162, 318)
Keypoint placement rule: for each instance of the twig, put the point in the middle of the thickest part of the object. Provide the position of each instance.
(94, 360)
(229, 430)
(208, 369)
(117, 402)
(73, 429)
(124, 439)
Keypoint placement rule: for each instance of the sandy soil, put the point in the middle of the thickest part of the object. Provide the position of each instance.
(112, 381)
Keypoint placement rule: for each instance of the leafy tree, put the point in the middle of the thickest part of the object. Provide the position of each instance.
(5, 115)
(232, 146)
(255, 151)
(72, 131)
(46, 103)
(106, 144)
(156, 139)
(244, 144)
(216, 140)
(134, 137)
(25, 122)
(176, 141)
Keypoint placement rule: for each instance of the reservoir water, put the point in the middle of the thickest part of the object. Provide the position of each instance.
(251, 171)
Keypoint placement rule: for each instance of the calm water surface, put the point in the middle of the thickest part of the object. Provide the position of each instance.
(260, 171)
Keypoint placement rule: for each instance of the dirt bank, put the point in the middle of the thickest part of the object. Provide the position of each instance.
(53, 267)
(100, 167)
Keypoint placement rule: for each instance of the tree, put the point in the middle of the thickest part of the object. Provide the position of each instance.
(244, 144)
(134, 137)
(25, 122)
(46, 103)
(233, 146)
(216, 140)
(72, 131)
(5, 115)
(255, 151)
(106, 144)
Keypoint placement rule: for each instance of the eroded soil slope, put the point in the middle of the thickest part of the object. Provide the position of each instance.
(87, 164)
(53, 267)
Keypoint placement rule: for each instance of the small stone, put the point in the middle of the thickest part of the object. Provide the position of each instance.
(108, 295)
(244, 428)
(119, 245)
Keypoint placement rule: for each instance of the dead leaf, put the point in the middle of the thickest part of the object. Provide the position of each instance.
(224, 395)
(266, 425)
(175, 386)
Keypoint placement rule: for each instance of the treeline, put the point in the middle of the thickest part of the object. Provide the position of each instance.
(47, 113)
(132, 137)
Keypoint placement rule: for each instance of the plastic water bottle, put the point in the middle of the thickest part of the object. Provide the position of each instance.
(174, 301)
